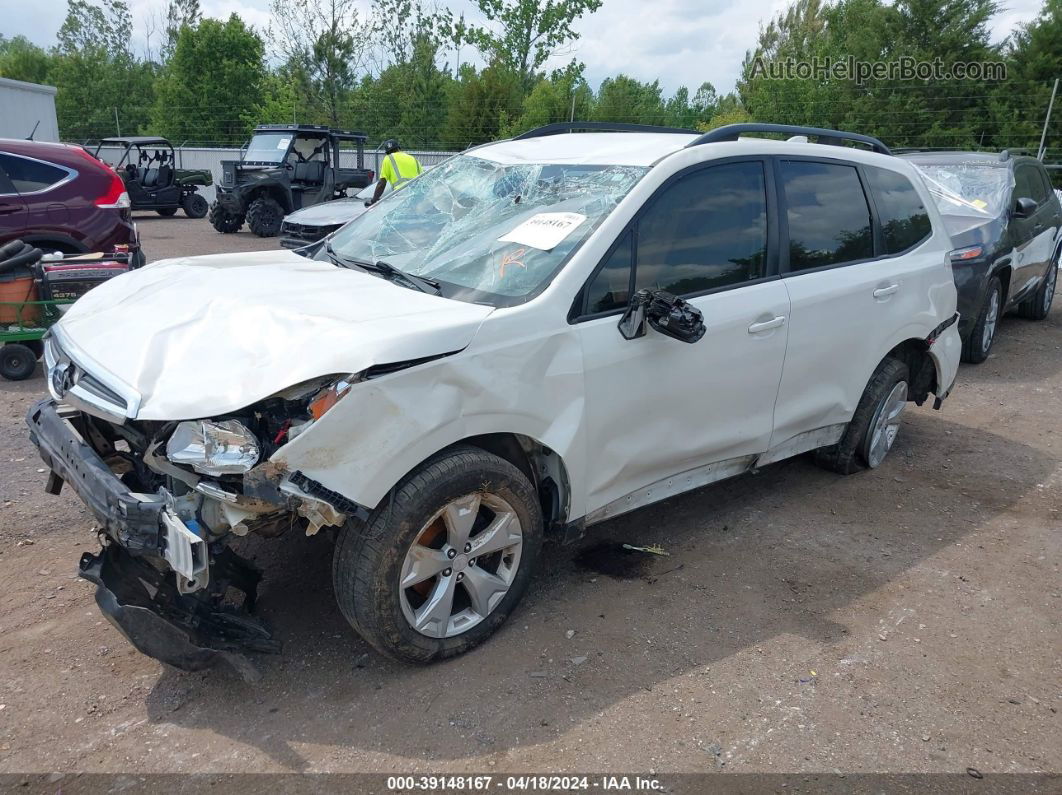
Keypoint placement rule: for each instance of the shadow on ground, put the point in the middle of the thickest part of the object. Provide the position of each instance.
(767, 554)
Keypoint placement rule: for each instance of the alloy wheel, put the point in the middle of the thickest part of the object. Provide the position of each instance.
(1049, 288)
(885, 425)
(991, 319)
(461, 565)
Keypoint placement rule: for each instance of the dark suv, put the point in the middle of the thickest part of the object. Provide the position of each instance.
(1006, 224)
(60, 198)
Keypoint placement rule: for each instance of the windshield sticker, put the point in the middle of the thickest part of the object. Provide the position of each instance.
(544, 230)
(283, 143)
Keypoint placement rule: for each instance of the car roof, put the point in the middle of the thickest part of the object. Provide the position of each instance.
(646, 148)
(136, 139)
(319, 129)
(953, 158)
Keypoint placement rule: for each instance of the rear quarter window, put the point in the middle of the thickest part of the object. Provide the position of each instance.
(31, 176)
(901, 212)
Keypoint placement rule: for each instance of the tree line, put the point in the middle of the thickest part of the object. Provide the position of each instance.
(437, 81)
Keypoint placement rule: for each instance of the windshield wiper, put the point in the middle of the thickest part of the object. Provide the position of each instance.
(388, 271)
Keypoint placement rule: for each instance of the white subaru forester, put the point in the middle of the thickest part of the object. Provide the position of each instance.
(537, 335)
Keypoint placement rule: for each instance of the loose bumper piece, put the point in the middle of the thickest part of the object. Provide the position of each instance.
(183, 631)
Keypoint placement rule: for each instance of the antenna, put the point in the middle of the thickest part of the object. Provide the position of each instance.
(34, 131)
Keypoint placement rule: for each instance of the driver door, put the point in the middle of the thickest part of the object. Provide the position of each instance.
(659, 411)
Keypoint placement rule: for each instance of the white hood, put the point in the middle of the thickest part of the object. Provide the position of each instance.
(203, 336)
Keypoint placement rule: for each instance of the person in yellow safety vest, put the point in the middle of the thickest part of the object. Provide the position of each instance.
(397, 169)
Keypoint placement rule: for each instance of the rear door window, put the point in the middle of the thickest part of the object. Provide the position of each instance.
(827, 213)
(31, 176)
(901, 213)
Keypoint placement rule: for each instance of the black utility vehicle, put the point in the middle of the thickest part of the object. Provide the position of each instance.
(285, 167)
(148, 167)
(1006, 224)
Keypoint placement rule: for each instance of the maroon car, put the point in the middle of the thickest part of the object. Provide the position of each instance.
(60, 198)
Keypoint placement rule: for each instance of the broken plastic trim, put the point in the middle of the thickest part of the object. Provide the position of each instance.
(186, 632)
(667, 313)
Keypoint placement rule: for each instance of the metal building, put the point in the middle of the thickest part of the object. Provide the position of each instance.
(24, 106)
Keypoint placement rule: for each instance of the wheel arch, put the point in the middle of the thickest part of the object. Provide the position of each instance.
(1003, 273)
(274, 192)
(922, 368)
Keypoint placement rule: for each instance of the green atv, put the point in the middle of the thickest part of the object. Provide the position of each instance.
(284, 168)
(147, 167)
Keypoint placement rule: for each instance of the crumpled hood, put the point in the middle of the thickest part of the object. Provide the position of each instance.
(339, 211)
(203, 336)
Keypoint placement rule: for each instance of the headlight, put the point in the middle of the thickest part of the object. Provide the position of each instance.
(214, 448)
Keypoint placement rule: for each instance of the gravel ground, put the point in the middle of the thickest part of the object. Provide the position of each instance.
(905, 619)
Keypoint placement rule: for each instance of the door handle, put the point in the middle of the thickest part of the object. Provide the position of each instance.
(7, 209)
(885, 292)
(766, 325)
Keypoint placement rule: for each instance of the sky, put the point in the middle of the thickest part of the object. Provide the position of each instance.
(678, 42)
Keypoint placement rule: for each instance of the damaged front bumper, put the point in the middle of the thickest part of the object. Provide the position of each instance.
(146, 573)
(145, 605)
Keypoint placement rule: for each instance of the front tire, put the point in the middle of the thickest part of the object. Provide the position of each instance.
(875, 424)
(1038, 307)
(975, 348)
(194, 205)
(264, 217)
(223, 221)
(437, 568)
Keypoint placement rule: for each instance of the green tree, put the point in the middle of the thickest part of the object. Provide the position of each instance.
(212, 83)
(481, 105)
(102, 88)
(521, 35)
(1033, 56)
(21, 59)
(325, 43)
(624, 99)
(562, 96)
(179, 14)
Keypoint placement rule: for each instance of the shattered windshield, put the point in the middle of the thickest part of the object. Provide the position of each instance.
(487, 232)
(976, 189)
(268, 147)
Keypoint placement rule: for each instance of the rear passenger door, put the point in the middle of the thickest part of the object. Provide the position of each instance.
(12, 208)
(656, 407)
(853, 282)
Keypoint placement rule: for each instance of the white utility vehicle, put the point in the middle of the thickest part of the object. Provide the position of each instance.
(537, 335)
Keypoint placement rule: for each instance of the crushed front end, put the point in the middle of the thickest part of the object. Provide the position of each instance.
(168, 497)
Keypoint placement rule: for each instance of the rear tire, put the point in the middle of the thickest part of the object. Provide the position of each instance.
(194, 205)
(264, 217)
(224, 221)
(975, 348)
(417, 533)
(1039, 306)
(17, 362)
(871, 424)
(169, 212)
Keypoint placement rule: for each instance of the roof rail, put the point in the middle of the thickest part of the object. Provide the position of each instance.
(597, 126)
(731, 132)
(1007, 154)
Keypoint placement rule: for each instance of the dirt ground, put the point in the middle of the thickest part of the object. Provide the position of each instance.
(906, 619)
